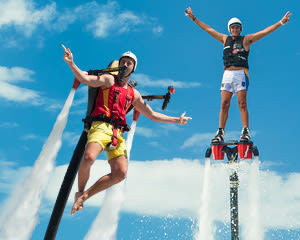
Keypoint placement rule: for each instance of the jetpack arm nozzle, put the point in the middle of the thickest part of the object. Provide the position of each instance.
(76, 84)
(167, 97)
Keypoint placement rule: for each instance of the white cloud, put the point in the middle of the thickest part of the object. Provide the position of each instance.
(198, 139)
(71, 138)
(81, 97)
(146, 132)
(105, 19)
(23, 15)
(128, 20)
(111, 19)
(9, 125)
(170, 127)
(145, 81)
(154, 144)
(15, 74)
(174, 187)
(81, 113)
(160, 130)
(158, 30)
(54, 106)
(30, 137)
(67, 17)
(201, 139)
(101, 25)
(15, 93)
(10, 175)
(102, 19)
(18, 94)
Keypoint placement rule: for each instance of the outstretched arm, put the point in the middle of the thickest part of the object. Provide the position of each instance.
(251, 38)
(219, 36)
(81, 76)
(146, 110)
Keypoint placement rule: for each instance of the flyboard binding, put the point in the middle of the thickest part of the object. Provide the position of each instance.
(233, 150)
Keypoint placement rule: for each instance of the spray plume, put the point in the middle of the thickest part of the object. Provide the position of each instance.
(19, 215)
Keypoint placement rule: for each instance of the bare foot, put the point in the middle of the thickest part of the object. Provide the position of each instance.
(78, 202)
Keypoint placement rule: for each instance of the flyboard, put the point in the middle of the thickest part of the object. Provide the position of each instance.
(66, 186)
(234, 151)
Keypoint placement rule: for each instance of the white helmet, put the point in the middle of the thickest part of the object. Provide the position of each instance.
(132, 56)
(234, 21)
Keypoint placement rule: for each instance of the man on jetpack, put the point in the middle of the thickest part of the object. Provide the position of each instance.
(108, 123)
(235, 77)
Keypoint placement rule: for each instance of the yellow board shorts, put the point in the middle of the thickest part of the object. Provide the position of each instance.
(101, 132)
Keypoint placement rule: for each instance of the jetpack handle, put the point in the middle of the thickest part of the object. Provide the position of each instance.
(98, 72)
(167, 97)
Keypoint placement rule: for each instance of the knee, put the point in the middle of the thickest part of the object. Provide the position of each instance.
(119, 175)
(243, 105)
(89, 158)
(225, 105)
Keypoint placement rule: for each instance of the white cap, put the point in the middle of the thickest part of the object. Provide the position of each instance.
(234, 21)
(132, 56)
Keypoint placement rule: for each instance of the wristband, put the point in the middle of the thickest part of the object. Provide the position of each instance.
(281, 23)
(193, 18)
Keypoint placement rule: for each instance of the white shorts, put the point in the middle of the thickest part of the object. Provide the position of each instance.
(235, 81)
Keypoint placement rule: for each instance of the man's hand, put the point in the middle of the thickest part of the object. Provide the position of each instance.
(286, 18)
(189, 13)
(183, 120)
(68, 57)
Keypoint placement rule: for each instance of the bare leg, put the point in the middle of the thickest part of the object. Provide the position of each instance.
(242, 101)
(118, 167)
(225, 104)
(91, 152)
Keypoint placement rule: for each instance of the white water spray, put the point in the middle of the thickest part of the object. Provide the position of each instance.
(19, 214)
(205, 218)
(253, 228)
(105, 225)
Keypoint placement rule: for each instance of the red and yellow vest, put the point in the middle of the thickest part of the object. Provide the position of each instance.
(114, 102)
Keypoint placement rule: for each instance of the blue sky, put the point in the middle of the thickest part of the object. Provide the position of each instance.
(171, 50)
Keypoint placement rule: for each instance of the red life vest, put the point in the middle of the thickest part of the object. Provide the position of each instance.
(114, 102)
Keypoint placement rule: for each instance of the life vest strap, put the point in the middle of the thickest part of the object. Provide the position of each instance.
(103, 118)
(114, 141)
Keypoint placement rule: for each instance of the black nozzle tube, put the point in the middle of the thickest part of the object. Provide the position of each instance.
(208, 153)
(65, 188)
(166, 101)
(122, 73)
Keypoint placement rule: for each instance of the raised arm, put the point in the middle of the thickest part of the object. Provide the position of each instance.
(146, 110)
(81, 76)
(251, 38)
(219, 36)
